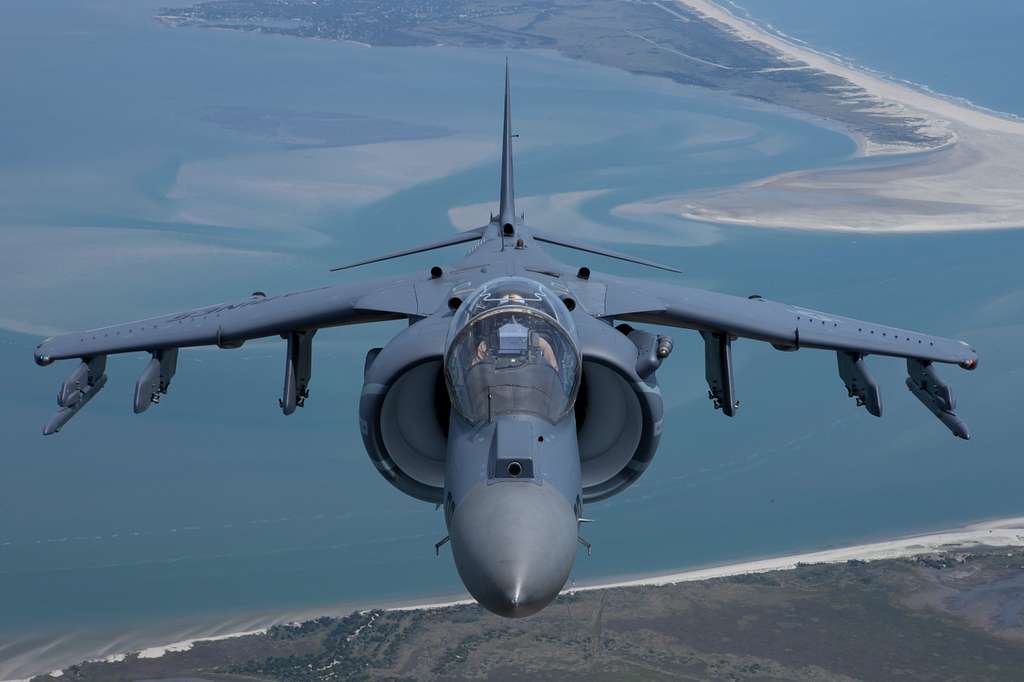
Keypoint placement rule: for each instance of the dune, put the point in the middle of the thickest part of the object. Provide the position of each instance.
(184, 645)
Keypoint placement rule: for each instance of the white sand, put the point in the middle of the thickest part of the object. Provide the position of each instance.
(932, 106)
(1001, 533)
(185, 644)
(976, 182)
(997, 533)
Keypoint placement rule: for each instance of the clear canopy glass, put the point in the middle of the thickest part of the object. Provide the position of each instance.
(511, 353)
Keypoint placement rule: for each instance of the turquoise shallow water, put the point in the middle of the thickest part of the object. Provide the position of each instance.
(120, 199)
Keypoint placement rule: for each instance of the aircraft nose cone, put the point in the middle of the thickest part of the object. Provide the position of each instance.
(514, 544)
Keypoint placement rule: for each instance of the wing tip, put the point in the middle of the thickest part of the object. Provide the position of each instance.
(40, 355)
(970, 363)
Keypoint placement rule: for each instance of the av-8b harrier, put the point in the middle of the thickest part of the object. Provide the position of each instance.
(519, 392)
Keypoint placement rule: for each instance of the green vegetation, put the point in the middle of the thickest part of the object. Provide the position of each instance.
(950, 616)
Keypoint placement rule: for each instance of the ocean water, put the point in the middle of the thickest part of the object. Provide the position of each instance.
(964, 50)
(123, 193)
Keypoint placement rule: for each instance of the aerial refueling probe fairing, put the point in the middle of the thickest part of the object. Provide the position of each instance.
(519, 392)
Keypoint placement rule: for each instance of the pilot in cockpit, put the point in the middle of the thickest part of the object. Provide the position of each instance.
(512, 351)
(547, 352)
(515, 342)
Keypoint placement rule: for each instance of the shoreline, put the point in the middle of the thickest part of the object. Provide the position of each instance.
(973, 180)
(874, 83)
(1001, 532)
(744, 15)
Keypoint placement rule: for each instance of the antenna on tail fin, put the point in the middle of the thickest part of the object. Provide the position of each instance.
(507, 210)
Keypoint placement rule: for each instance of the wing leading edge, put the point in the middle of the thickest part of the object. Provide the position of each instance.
(294, 316)
(721, 318)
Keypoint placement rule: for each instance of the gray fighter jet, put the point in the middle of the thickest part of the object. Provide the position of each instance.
(519, 392)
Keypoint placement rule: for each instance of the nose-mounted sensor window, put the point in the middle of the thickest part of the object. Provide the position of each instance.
(521, 467)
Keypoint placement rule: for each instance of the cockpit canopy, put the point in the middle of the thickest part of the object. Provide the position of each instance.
(512, 350)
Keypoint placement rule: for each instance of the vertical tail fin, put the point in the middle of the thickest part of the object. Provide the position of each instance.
(507, 211)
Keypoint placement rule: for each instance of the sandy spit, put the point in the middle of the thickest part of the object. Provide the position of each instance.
(975, 182)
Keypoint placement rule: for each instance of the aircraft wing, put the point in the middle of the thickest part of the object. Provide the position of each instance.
(294, 316)
(721, 318)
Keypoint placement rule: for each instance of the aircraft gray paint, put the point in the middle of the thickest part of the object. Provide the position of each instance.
(518, 392)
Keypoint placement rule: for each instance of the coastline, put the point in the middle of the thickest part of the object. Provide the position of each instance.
(993, 533)
(851, 63)
(185, 642)
(972, 181)
(914, 99)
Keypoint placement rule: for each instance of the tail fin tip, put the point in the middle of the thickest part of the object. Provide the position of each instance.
(507, 209)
